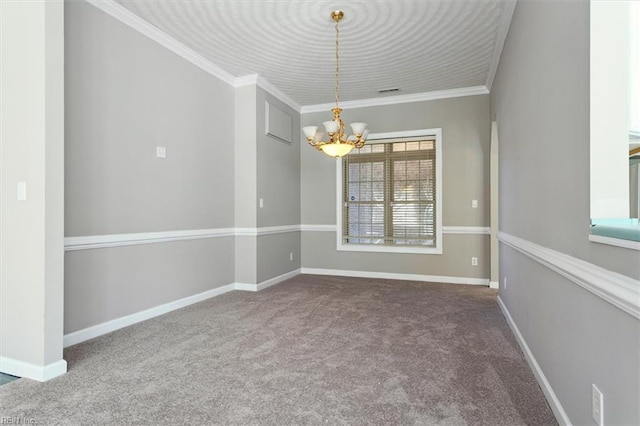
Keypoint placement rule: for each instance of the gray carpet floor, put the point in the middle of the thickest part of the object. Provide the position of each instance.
(311, 350)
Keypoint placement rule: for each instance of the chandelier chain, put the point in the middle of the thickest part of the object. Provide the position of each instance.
(337, 64)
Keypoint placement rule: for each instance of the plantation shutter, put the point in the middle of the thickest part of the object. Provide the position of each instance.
(389, 194)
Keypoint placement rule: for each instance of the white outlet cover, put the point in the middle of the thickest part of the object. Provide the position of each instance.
(597, 405)
(474, 204)
(161, 152)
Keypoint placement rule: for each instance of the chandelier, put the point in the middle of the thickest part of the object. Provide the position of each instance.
(339, 143)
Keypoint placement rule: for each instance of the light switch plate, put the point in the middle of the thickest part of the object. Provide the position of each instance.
(22, 191)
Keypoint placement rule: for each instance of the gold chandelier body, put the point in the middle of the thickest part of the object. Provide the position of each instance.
(339, 143)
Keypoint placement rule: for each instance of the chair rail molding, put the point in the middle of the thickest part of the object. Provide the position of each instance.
(119, 240)
(617, 289)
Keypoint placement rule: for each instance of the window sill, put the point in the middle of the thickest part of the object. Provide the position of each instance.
(618, 242)
(389, 249)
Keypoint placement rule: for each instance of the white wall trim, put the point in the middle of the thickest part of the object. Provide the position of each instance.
(552, 399)
(268, 283)
(132, 20)
(617, 289)
(129, 18)
(618, 242)
(400, 99)
(319, 228)
(265, 84)
(397, 276)
(466, 230)
(266, 230)
(32, 371)
(118, 323)
(501, 36)
(120, 240)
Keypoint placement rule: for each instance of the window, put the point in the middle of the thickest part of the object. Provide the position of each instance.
(389, 194)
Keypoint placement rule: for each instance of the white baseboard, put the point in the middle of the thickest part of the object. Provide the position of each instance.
(279, 279)
(552, 399)
(118, 323)
(494, 285)
(397, 276)
(268, 283)
(245, 287)
(32, 371)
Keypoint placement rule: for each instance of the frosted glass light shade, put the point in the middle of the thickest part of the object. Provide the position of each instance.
(358, 128)
(331, 126)
(365, 134)
(319, 136)
(336, 149)
(309, 131)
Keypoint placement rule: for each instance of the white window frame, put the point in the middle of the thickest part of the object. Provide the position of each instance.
(390, 137)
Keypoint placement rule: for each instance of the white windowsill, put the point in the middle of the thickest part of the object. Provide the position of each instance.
(618, 242)
(389, 249)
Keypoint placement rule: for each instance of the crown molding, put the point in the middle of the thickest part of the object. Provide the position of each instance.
(503, 30)
(400, 99)
(129, 18)
(132, 20)
(265, 84)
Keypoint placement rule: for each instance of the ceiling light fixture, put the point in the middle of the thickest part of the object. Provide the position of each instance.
(339, 144)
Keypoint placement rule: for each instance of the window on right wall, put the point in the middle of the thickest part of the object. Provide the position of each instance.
(390, 194)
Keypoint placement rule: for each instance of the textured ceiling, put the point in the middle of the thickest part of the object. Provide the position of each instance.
(418, 46)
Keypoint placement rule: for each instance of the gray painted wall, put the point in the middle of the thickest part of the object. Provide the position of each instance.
(466, 128)
(125, 95)
(278, 168)
(114, 282)
(278, 184)
(540, 100)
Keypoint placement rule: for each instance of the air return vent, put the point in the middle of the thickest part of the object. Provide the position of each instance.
(392, 89)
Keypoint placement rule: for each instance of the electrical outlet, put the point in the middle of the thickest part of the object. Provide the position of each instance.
(291, 256)
(474, 261)
(474, 204)
(597, 405)
(505, 283)
(261, 203)
(161, 152)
